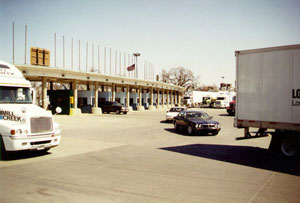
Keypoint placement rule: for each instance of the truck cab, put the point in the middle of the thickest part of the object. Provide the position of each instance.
(224, 98)
(23, 125)
(231, 108)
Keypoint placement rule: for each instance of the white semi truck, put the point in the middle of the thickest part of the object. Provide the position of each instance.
(224, 98)
(268, 95)
(196, 98)
(23, 125)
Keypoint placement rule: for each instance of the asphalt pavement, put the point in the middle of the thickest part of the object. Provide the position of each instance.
(139, 157)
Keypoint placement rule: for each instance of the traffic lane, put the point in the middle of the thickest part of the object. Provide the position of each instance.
(131, 174)
(156, 139)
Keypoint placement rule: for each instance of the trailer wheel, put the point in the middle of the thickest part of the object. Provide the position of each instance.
(289, 147)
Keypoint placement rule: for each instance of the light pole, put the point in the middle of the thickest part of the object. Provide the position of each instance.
(136, 55)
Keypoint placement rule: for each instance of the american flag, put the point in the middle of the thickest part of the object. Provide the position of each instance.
(131, 68)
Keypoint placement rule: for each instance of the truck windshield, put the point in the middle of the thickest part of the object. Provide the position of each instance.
(15, 95)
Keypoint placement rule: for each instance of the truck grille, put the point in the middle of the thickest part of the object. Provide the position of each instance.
(41, 124)
(218, 103)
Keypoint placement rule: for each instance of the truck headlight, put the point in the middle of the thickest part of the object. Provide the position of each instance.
(218, 125)
(199, 125)
(19, 131)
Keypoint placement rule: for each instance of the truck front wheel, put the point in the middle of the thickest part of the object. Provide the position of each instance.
(3, 152)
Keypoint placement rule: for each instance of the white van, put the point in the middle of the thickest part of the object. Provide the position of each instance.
(23, 125)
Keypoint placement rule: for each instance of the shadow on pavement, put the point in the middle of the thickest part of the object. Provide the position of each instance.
(182, 132)
(242, 155)
(23, 155)
(226, 114)
(165, 121)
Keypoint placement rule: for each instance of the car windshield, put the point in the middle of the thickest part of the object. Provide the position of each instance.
(116, 104)
(176, 109)
(201, 115)
(15, 95)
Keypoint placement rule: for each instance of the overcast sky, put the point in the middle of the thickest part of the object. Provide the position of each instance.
(201, 35)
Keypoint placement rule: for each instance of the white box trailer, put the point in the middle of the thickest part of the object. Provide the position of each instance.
(268, 95)
(195, 98)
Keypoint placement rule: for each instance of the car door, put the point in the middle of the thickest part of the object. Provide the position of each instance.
(185, 121)
(111, 107)
(106, 106)
(180, 118)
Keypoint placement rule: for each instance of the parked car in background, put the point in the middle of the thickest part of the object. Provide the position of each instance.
(174, 112)
(196, 122)
(108, 107)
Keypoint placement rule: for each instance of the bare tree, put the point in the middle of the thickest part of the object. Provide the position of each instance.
(181, 77)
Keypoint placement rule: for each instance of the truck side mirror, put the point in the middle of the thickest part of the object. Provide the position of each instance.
(33, 94)
(58, 110)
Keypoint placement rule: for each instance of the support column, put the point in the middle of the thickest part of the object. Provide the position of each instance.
(96, 94)
(168, 99)
(151, 107)
(44, 93)
(127, 98)
(172, 98)
(113, 92)
(140, 107)
(176, 98)
(158, 106)
(75, 111)
(95, 109)
(179, 98)
(163, 100)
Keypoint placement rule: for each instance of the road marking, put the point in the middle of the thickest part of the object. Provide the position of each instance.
(262, 187)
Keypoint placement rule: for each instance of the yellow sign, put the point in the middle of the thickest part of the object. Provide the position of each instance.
(39, 56)
(71, 100)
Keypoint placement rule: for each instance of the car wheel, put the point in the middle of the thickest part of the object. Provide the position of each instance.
(190, 130)
(176, 126)
(125, 112)
(118, 111)
(215, 133)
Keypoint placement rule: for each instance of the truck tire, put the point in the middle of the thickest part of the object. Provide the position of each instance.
(118, 112)
(285, 144)
(275, 142)
(289, 147)
(3, 152)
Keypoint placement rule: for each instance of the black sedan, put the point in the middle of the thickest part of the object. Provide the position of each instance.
(196, 122)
